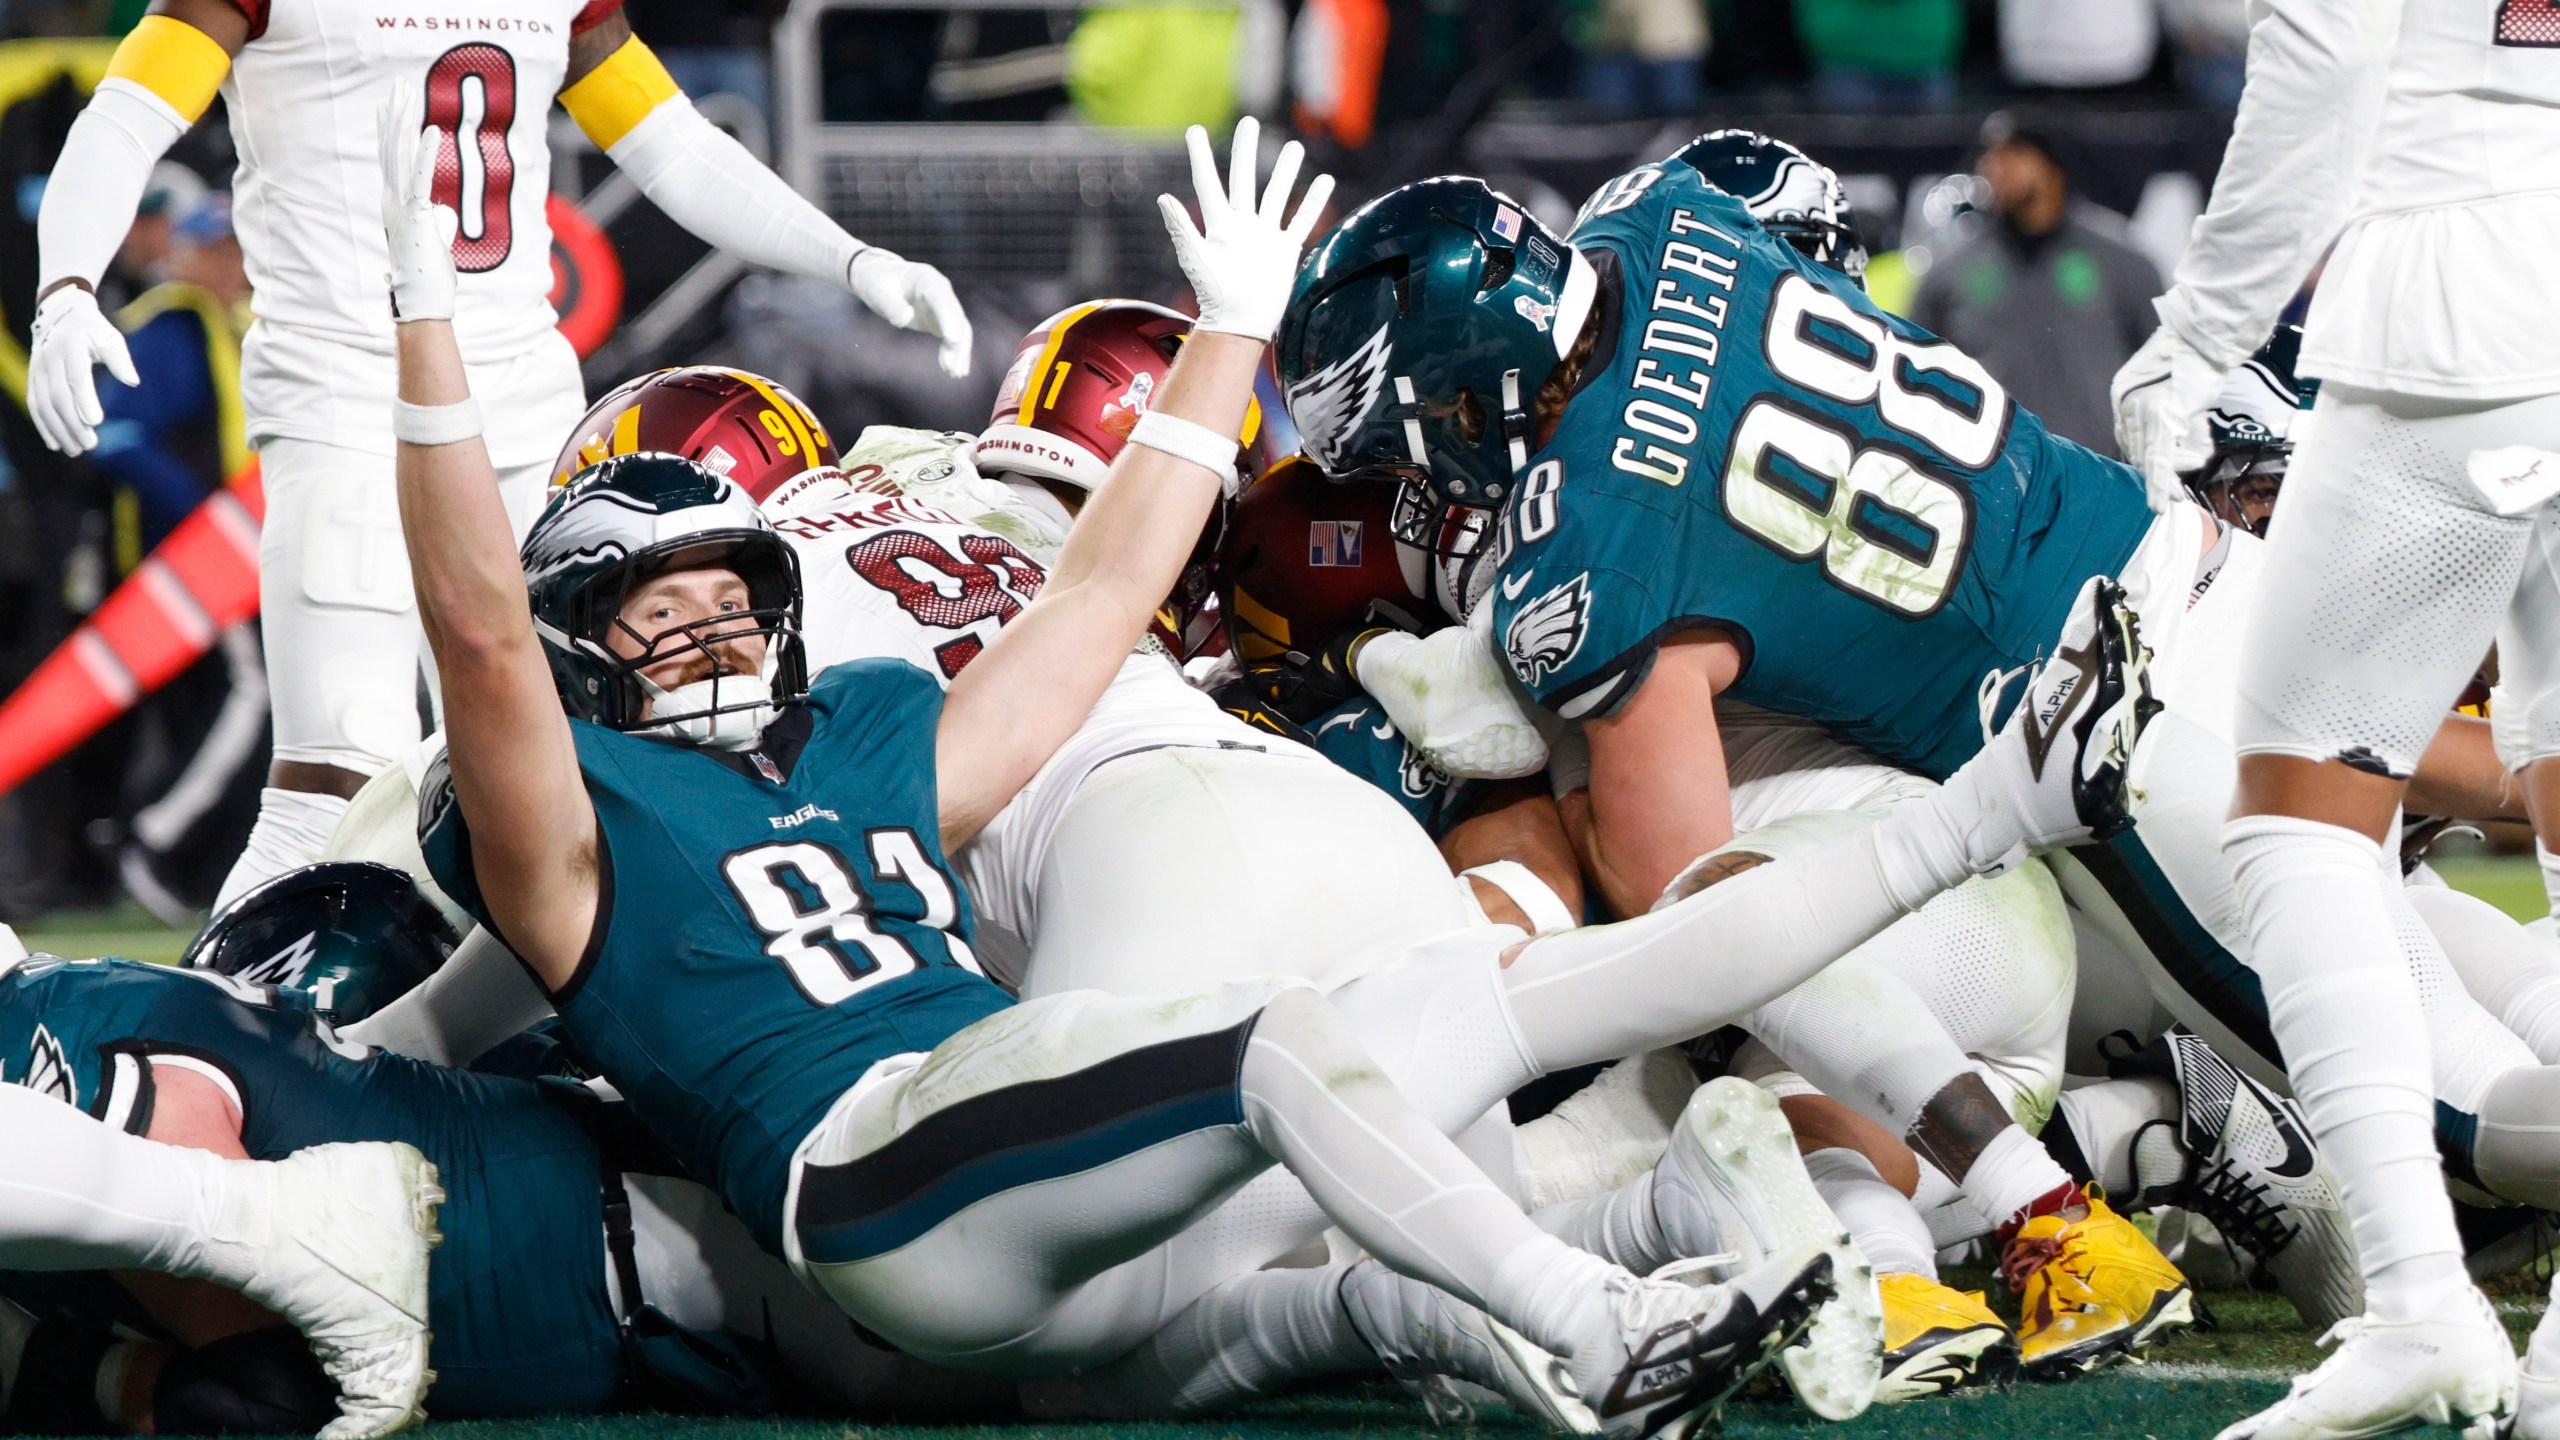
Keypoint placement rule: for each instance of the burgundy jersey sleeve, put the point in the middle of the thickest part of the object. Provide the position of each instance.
(590, 15)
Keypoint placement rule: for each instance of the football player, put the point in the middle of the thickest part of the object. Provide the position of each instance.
(301, 80)
(528, 1313)
(1822, 625)
(2416, 531)
(802, 840)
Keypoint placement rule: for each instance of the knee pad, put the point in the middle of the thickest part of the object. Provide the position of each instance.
(2515, 1137)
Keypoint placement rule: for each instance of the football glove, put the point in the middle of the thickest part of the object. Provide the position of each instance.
(71, 340)
(1242, 258)
(419, 231)
(913, 296)
(2161, 396)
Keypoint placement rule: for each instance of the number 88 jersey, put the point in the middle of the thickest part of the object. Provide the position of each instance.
(1759, 450)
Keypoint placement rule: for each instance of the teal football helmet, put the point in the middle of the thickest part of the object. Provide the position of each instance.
(354, 935)
(1794, 196)
(622, 521)
(1419, 331)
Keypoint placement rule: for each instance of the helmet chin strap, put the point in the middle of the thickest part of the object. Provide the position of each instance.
(734, 728)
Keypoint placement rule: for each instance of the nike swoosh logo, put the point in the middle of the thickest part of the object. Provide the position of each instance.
(2042, 733)
(1512, 585)
(2298, 1158)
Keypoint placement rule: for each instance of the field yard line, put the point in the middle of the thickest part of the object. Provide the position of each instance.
(2192, 1370)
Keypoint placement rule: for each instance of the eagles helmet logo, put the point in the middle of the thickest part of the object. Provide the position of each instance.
(287, 967)
(1547, 633)
(1330, 404)
(49, 1069)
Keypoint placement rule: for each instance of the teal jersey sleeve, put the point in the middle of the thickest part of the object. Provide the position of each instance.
(1358, 736)
(517, 1302)
(1759, 450)
(771, 924)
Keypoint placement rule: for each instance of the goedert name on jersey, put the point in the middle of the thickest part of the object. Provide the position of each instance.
(1763, 452)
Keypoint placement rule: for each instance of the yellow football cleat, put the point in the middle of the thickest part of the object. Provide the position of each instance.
(1938, 1340)
(2092, 1290)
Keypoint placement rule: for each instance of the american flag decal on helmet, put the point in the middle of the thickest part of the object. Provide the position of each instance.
(1334, 543)
(1506, 222)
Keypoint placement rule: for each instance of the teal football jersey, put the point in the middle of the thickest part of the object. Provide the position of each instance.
(1762, 451)
(772, 923)
(1358, 736)
(516, 1294)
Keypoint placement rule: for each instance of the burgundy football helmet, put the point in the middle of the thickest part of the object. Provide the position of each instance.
(1077, 387)
(1306, 558)
(739, 425)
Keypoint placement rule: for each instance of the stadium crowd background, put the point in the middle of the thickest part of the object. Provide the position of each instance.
(2025, 173)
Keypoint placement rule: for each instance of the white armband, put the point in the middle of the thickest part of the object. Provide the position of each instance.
(99, 179)
(1189, 440)
(712, 186)
(1544, 907)
(435, 424)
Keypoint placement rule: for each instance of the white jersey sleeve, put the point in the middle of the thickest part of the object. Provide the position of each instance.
(2315, 82)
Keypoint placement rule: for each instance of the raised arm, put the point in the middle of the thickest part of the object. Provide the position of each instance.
(628, 104)
(2287, 178)
(515, 769)
(1016, 703)
(160, 82)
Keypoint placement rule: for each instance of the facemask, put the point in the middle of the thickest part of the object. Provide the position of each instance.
(749, 699)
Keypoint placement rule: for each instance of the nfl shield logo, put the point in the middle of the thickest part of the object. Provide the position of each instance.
(765, 766)
(1334, 543)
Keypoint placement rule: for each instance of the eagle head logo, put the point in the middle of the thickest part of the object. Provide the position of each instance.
(1547, 633)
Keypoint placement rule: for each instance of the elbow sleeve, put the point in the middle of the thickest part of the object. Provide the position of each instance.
(702, 178)
(99, 178)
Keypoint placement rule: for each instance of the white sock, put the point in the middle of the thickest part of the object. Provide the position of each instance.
(2542, 1353)
(2104, 1119)
(1617, 1225)
(293, 827)
(1597, 994)
(1246, 1337)
(1319, 1105)
(1608, 1132)
(2550, 864)
(1884, 1222)
(2012, 1173)
(78, 1195)
(2346, 1011)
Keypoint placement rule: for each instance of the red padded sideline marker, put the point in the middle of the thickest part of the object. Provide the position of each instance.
(201, 581)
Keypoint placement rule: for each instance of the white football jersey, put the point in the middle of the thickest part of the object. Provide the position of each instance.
(2441, 284)
(884, 573)
(302, 97)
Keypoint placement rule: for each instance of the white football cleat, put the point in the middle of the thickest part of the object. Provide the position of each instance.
(2457, 1372)
(2538, 1391)
(340, 1250)
(1675, 1350)
(2054, 774)
(2257, 1175)
(1423, 1335)
(1732, 1181)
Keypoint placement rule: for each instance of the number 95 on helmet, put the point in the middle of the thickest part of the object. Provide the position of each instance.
(1421, 330)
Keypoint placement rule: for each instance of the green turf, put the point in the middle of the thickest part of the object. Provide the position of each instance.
(2193, 1384)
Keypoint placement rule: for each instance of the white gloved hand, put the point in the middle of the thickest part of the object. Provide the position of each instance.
(71, 340)
(420, 231)
(2161, 396)
(1242, 259)
(913, 296)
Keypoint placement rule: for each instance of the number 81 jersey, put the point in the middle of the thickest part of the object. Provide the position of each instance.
(1761, 451)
